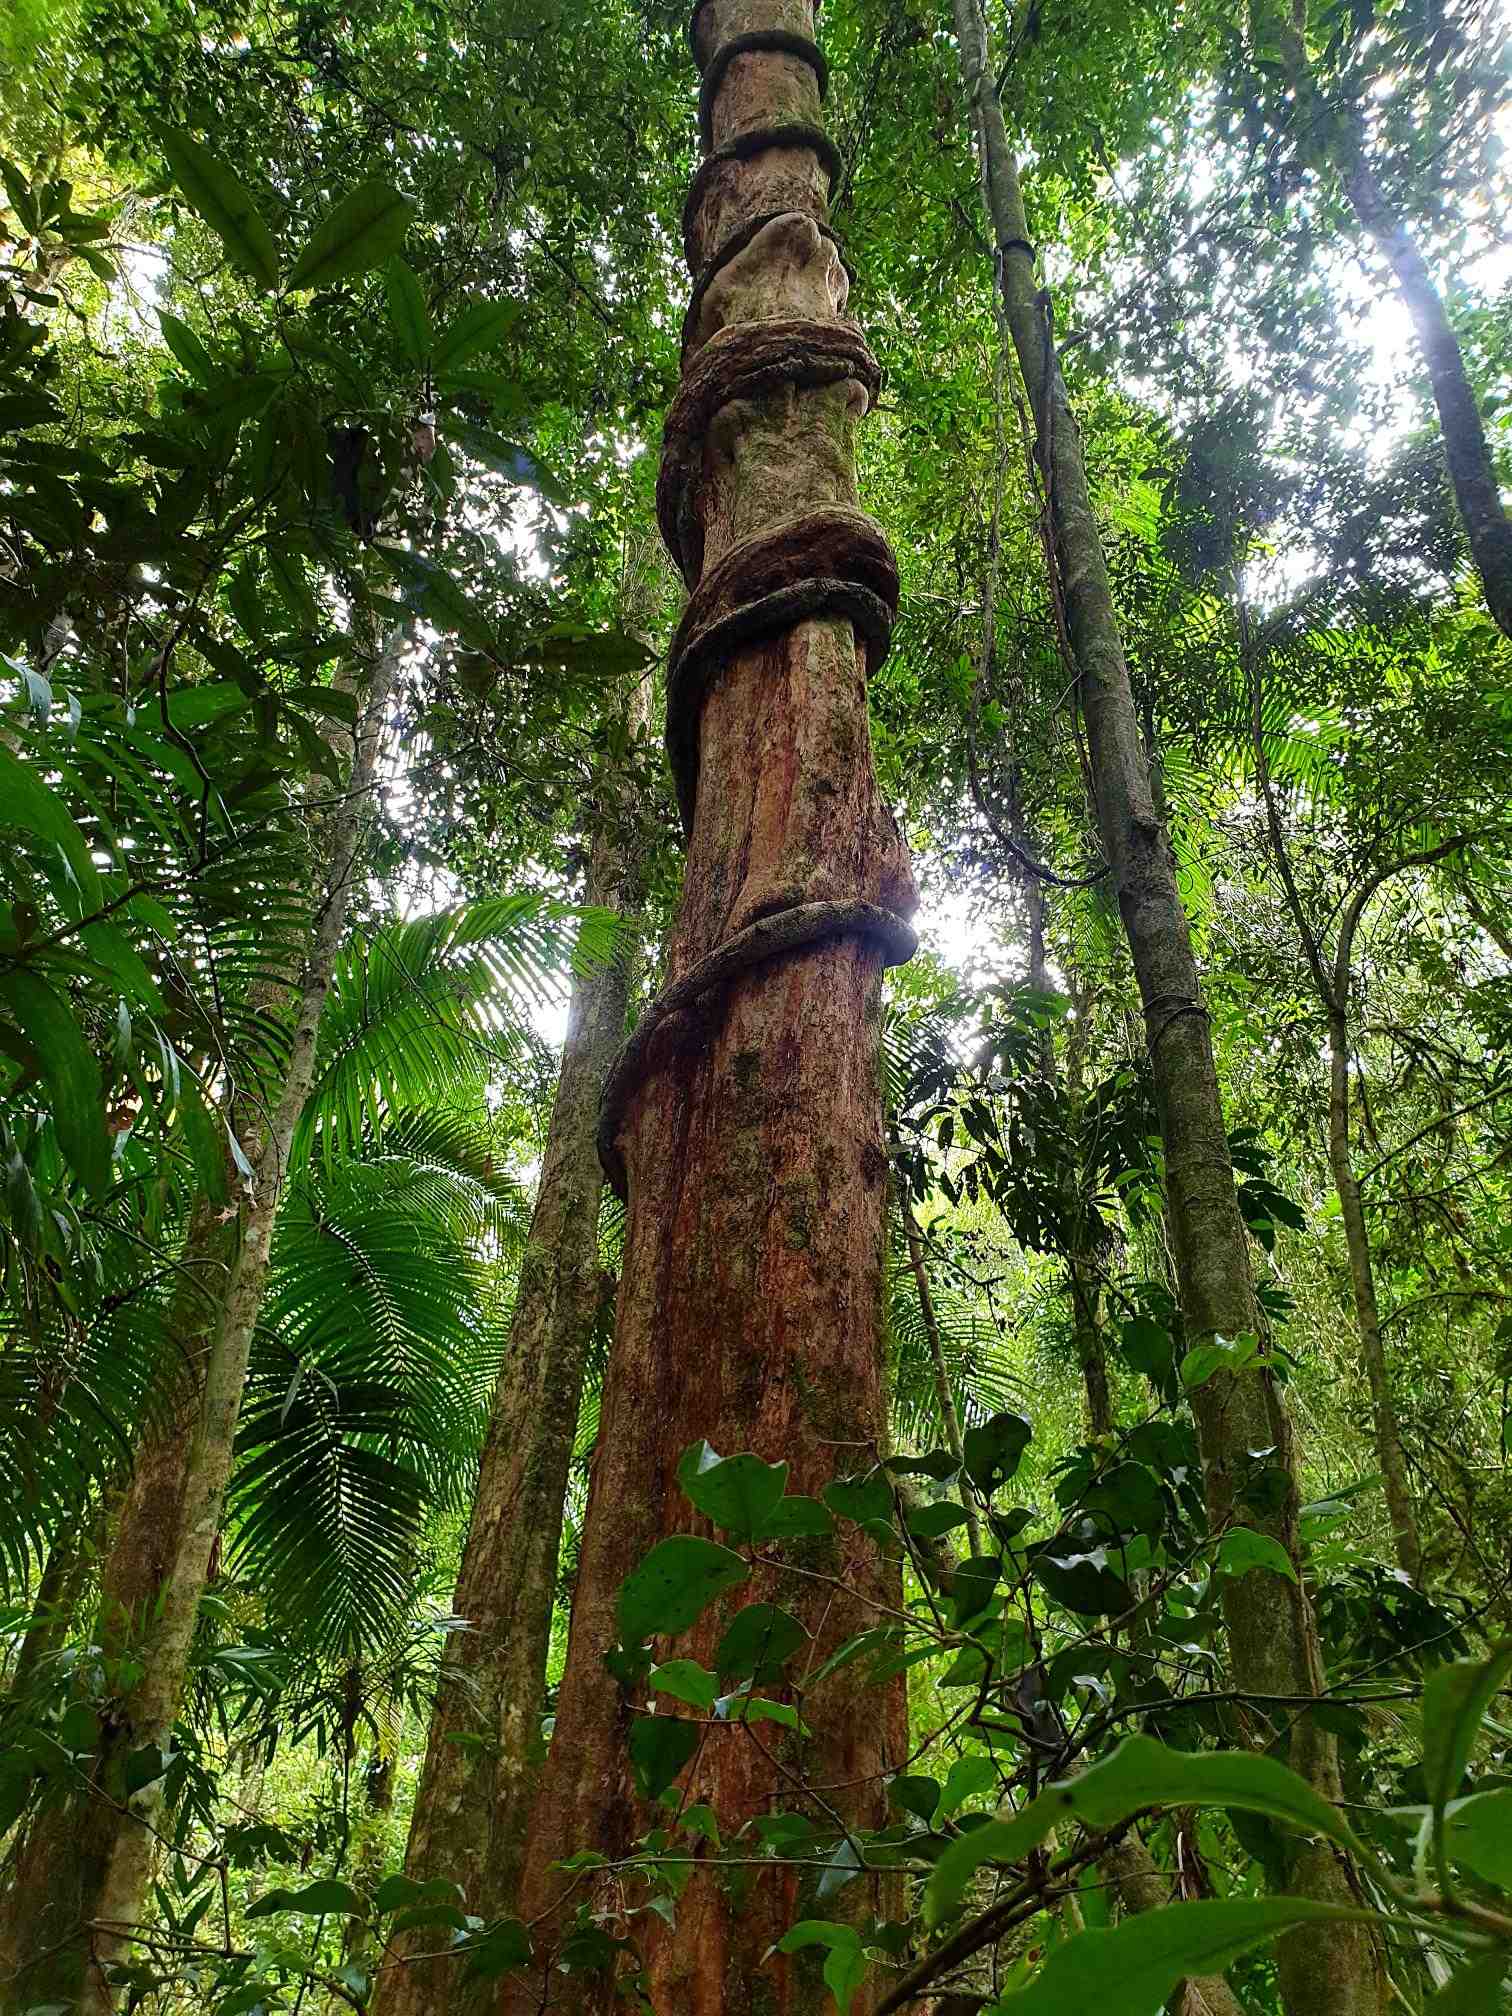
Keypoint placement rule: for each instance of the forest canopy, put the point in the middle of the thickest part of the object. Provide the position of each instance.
(755, 1007)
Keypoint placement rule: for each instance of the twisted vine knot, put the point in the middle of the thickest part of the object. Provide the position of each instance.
(828, 561)
(768, 938)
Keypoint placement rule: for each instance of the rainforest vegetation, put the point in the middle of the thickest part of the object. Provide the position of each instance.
(755, 1007)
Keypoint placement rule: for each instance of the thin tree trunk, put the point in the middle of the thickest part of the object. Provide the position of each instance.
(1082, 1262)
(63, 1577)
(1136, 1884)
(1333, 989)
(84, 1871)
(482, 1752)
(943, 1395)
(1272, 1633)
(1388, 1429)
(1339, 132)
(748, 1124)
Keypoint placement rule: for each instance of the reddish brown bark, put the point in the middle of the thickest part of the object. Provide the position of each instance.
(750, 1301)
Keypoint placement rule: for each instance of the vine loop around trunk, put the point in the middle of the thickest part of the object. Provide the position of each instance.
(768, 938)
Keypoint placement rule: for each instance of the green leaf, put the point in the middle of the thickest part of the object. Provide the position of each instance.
(967, 1778)
(1242, 1549)
(478, 327)
(38, 689)
(845, 1963)
(224, 203)
(919, 1796)
(930, 1520)
(686, 1680)
(496, 1949)
(1221, 1355)
(796, 1518)
(1139, 1773)
(70, 1072)
(439, 597)
(316, 1900)
(360, 232)
(187, 348)
(508, 458)
(407, 311)
(203, 1138)
(860, 1498)
(27, 802)
(1475, 1990)
(1148, 1347)
(994, 1451)
(396, 1892)
(660, 1745)
(143, 1767)
(1133, 1968)
(1478, 1833)
(1455, 1699)
(737, 1492)
(761, 1639)
(203, 706)
(109, 947)
(756, 1708)
(674, 1585)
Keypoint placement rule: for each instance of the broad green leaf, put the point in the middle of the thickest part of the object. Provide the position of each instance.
(225, 204)
(1455, 1699)
(1478, 1831)
(439, 597)
(108, 945)
(674, 1585)
(845, 1962)
(478, 327)
(316, 1900)
(203, 706)
(796, 1518)
(38, 688)
(407, 312)
(609, 654)
(1205, 1361)
(686, 1680)
(660, 1745)
(1242, 1549)
(930, 1520)
(70, 1072)
(756, 1708)
(360, 233)
(508, 458)
(1139, 1773)
(187, 348)
(862, 1499)
(27, 802)
(995, 1450)
(1133, 1968)
(737, 1492)
(967, 1778)
(142, 1768)
(1476, 1990)
(762, 1636)
(916, 1795)
(936, 1463)
(398, 1892)
(496, 1949)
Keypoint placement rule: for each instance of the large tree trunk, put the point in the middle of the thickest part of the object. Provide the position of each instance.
(1272, 1634)
(82, 1876)
(748, 1123)
(481, 1757)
